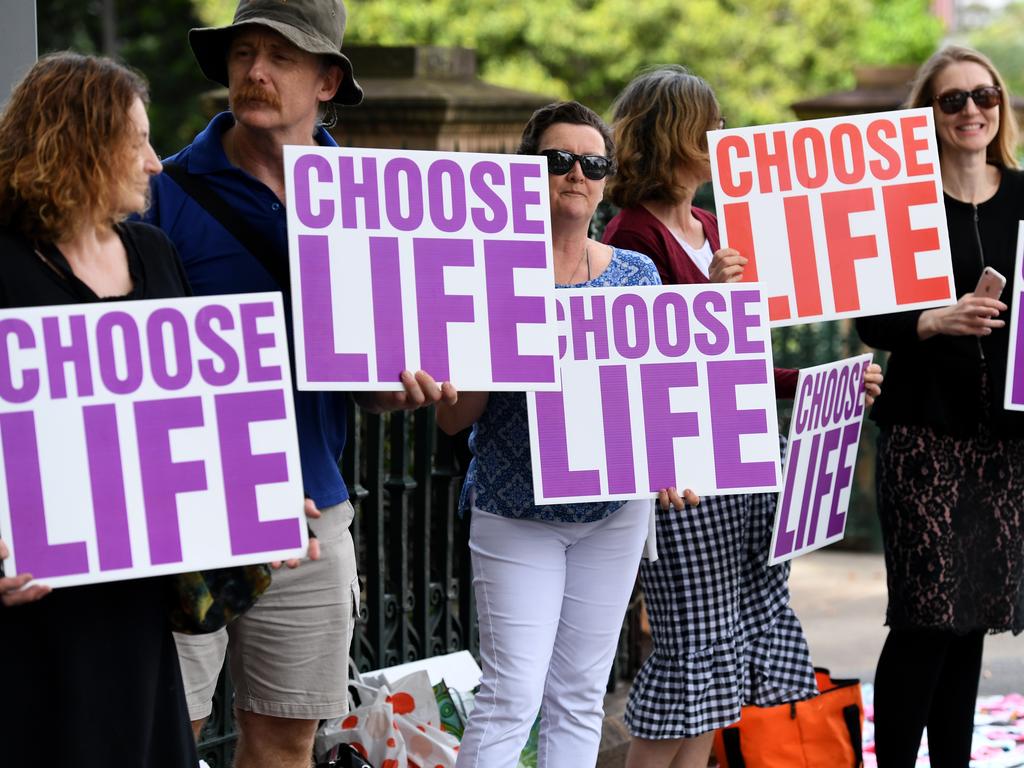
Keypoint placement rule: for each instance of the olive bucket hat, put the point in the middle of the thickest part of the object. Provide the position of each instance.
(315, 26)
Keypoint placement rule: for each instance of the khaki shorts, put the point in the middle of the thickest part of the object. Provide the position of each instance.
(288, 656)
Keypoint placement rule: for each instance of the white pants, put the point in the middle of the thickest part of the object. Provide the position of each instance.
(551, 599)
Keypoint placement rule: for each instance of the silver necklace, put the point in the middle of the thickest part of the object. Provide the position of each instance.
(584, 255)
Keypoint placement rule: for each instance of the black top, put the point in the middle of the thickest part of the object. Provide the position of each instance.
(937, 382)
(91, 673)
(31, 279)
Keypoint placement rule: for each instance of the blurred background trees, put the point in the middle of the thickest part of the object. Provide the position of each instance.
(150, 36)
(759, 55)
(999, 35)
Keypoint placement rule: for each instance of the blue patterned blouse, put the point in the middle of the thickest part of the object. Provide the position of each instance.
(500, 473)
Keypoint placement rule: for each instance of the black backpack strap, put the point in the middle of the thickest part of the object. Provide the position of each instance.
(851, 715)
(215, 205)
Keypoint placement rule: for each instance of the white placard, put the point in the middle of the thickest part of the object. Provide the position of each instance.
(147, 437)
(824, 434)
(839, 217)
(662, 386)
(404, 259)
(1013, 396)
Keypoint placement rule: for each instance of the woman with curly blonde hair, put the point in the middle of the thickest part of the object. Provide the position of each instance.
(75, 162)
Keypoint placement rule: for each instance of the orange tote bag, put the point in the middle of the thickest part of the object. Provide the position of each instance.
(823, 732)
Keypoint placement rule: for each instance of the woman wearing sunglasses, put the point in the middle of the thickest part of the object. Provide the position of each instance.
(950, 469)
(551, 582)
(723, 632)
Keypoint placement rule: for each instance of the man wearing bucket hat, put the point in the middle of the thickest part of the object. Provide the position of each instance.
(220, 200)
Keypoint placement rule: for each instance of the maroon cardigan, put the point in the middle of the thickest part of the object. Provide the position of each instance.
(637, 229)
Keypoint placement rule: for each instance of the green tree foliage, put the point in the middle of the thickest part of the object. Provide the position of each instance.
(760, 55)
(216, 13)
(1001, 40)
(898, 32)
(152, 37)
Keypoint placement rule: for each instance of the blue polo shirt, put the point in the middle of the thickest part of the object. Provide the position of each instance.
(216, 263)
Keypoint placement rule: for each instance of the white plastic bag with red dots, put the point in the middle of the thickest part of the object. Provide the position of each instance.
(398, 726)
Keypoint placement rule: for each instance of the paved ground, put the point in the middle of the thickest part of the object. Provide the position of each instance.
(840, 599)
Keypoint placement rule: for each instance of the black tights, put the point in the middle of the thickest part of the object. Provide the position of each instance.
(926, 677)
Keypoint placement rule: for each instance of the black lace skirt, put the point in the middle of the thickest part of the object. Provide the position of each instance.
(952, 513)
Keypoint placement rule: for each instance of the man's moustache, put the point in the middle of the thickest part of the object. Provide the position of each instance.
(256, 97)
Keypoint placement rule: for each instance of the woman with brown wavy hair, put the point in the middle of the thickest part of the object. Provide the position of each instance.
(90, 673)
(723, 632)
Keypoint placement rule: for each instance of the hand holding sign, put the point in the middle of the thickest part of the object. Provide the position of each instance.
(872, 383)
(420, 389)
(670, 497)
(12, 588)
(727, 266)
(313, 547)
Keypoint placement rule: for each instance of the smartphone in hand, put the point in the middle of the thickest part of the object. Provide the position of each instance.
(990, 284)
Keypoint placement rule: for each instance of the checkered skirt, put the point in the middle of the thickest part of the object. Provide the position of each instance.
(723, 632)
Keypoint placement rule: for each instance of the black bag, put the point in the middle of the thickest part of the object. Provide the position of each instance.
(343, 756)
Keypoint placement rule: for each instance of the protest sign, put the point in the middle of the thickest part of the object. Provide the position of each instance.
(662, 386)
(839, 217)
(405, 260)
(147, 437)
(1013, 396)
(824, 433)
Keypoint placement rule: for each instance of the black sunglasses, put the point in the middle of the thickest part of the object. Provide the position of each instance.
(594, 167)
(986, 97)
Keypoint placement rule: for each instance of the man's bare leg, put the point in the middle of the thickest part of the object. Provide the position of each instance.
(273, 742)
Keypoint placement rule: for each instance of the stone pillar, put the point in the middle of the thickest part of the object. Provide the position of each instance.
(424, 97)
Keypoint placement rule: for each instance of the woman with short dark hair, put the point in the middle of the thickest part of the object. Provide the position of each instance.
(552, 582)
(90, 673)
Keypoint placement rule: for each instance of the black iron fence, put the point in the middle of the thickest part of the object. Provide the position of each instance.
(410, 541)
(404, 477)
